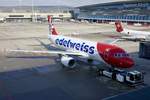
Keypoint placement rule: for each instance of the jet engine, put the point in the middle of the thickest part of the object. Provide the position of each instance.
(68, 61)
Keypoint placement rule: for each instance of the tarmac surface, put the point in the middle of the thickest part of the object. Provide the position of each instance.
(41, 77)
(141, 94)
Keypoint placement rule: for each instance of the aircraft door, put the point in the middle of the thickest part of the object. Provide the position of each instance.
(106, 55)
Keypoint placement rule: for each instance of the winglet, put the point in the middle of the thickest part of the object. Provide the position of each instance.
(52, 29)
(119, 27)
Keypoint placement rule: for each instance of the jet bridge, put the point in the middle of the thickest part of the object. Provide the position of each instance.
(144, 49)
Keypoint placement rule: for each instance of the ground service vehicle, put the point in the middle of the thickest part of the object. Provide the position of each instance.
(131, 78)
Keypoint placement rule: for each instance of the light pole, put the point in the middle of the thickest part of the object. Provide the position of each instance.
(20, 3)
(33, 12)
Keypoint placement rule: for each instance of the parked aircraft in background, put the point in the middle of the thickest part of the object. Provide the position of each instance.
(131, 34)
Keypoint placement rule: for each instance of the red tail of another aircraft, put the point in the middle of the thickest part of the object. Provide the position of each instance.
(119, 27)
(52, 29)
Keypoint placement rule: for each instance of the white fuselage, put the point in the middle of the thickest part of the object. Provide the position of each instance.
(136, 34)
(76, 45)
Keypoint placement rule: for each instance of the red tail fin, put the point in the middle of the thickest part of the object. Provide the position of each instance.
(119, 27)
(52, 29)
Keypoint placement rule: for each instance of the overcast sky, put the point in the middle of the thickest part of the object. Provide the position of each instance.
(53, 2)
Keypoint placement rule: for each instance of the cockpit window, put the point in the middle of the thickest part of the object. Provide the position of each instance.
(119, 55)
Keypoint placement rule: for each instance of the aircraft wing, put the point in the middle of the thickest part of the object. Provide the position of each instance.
(133, 37)
(128, 37)
(112, 41)
(48, 52)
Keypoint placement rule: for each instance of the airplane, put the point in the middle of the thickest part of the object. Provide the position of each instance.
(131, 34)
(71, 47)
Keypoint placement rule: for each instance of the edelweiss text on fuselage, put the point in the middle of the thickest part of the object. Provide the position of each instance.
(75, 45)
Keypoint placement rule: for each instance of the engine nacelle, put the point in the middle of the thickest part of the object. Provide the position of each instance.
(68, 61)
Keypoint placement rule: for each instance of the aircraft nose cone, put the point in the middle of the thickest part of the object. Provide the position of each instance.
(130, 63)
(127, 63)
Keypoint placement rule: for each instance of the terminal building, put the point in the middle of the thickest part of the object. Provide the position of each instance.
(39, 13)
(137, 11)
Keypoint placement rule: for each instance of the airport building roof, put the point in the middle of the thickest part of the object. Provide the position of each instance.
(38, 9)
(124, 11)
(113, 3)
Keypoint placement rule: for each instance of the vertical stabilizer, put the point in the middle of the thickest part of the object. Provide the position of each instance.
(52, 30)
(119, 27)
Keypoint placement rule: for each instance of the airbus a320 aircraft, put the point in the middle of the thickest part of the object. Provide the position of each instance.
(108, 53)
(131, 34)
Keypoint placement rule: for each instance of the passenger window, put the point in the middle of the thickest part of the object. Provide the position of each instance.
(127, 55)
(115, 55)
(121, 55)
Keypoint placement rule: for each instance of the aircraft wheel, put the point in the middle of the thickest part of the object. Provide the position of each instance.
(114, 76)
(100, 71)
